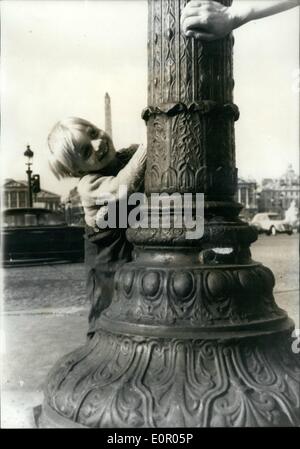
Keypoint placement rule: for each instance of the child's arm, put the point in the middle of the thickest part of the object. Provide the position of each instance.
(210, 20)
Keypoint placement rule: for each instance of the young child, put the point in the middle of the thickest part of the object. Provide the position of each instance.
(80, 149)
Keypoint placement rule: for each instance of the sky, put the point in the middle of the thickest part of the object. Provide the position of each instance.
(60, 57)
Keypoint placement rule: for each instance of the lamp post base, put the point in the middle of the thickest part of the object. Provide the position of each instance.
(128, 381)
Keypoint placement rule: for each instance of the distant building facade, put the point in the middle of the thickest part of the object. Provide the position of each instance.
(277, 194)
(15, 194)
(247, 196)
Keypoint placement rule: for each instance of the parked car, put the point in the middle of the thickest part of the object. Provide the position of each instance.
(38, 234)
(271, 223)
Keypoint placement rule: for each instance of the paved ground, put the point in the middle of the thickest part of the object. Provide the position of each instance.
(45, 317)
(46, 286)
(281, 255)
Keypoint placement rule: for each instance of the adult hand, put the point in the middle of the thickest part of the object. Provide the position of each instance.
(206, 20)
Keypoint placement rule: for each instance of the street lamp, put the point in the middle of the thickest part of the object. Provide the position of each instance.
(29, 155)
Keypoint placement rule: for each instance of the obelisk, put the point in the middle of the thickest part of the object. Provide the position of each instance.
(108, 120)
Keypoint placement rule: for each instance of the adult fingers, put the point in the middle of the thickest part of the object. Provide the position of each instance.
(202, 36)
(197, 3)
(190, 13)
(199, 22)
(190, 9)
(197, 10)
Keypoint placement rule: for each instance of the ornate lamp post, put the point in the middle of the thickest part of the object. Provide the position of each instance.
(29, 155)
(193, 336)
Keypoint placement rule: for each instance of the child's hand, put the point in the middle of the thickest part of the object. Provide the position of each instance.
(206, 20)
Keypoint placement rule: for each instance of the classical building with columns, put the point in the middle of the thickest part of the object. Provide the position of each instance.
(15, 194)
(246, 195)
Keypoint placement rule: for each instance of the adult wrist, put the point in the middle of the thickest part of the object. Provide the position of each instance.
(239, 14)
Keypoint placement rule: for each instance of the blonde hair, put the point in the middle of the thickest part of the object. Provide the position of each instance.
(62, 145)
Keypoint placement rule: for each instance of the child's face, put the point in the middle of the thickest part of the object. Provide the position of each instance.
(94, 148)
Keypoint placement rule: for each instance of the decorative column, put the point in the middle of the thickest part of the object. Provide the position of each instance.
(193, 337)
